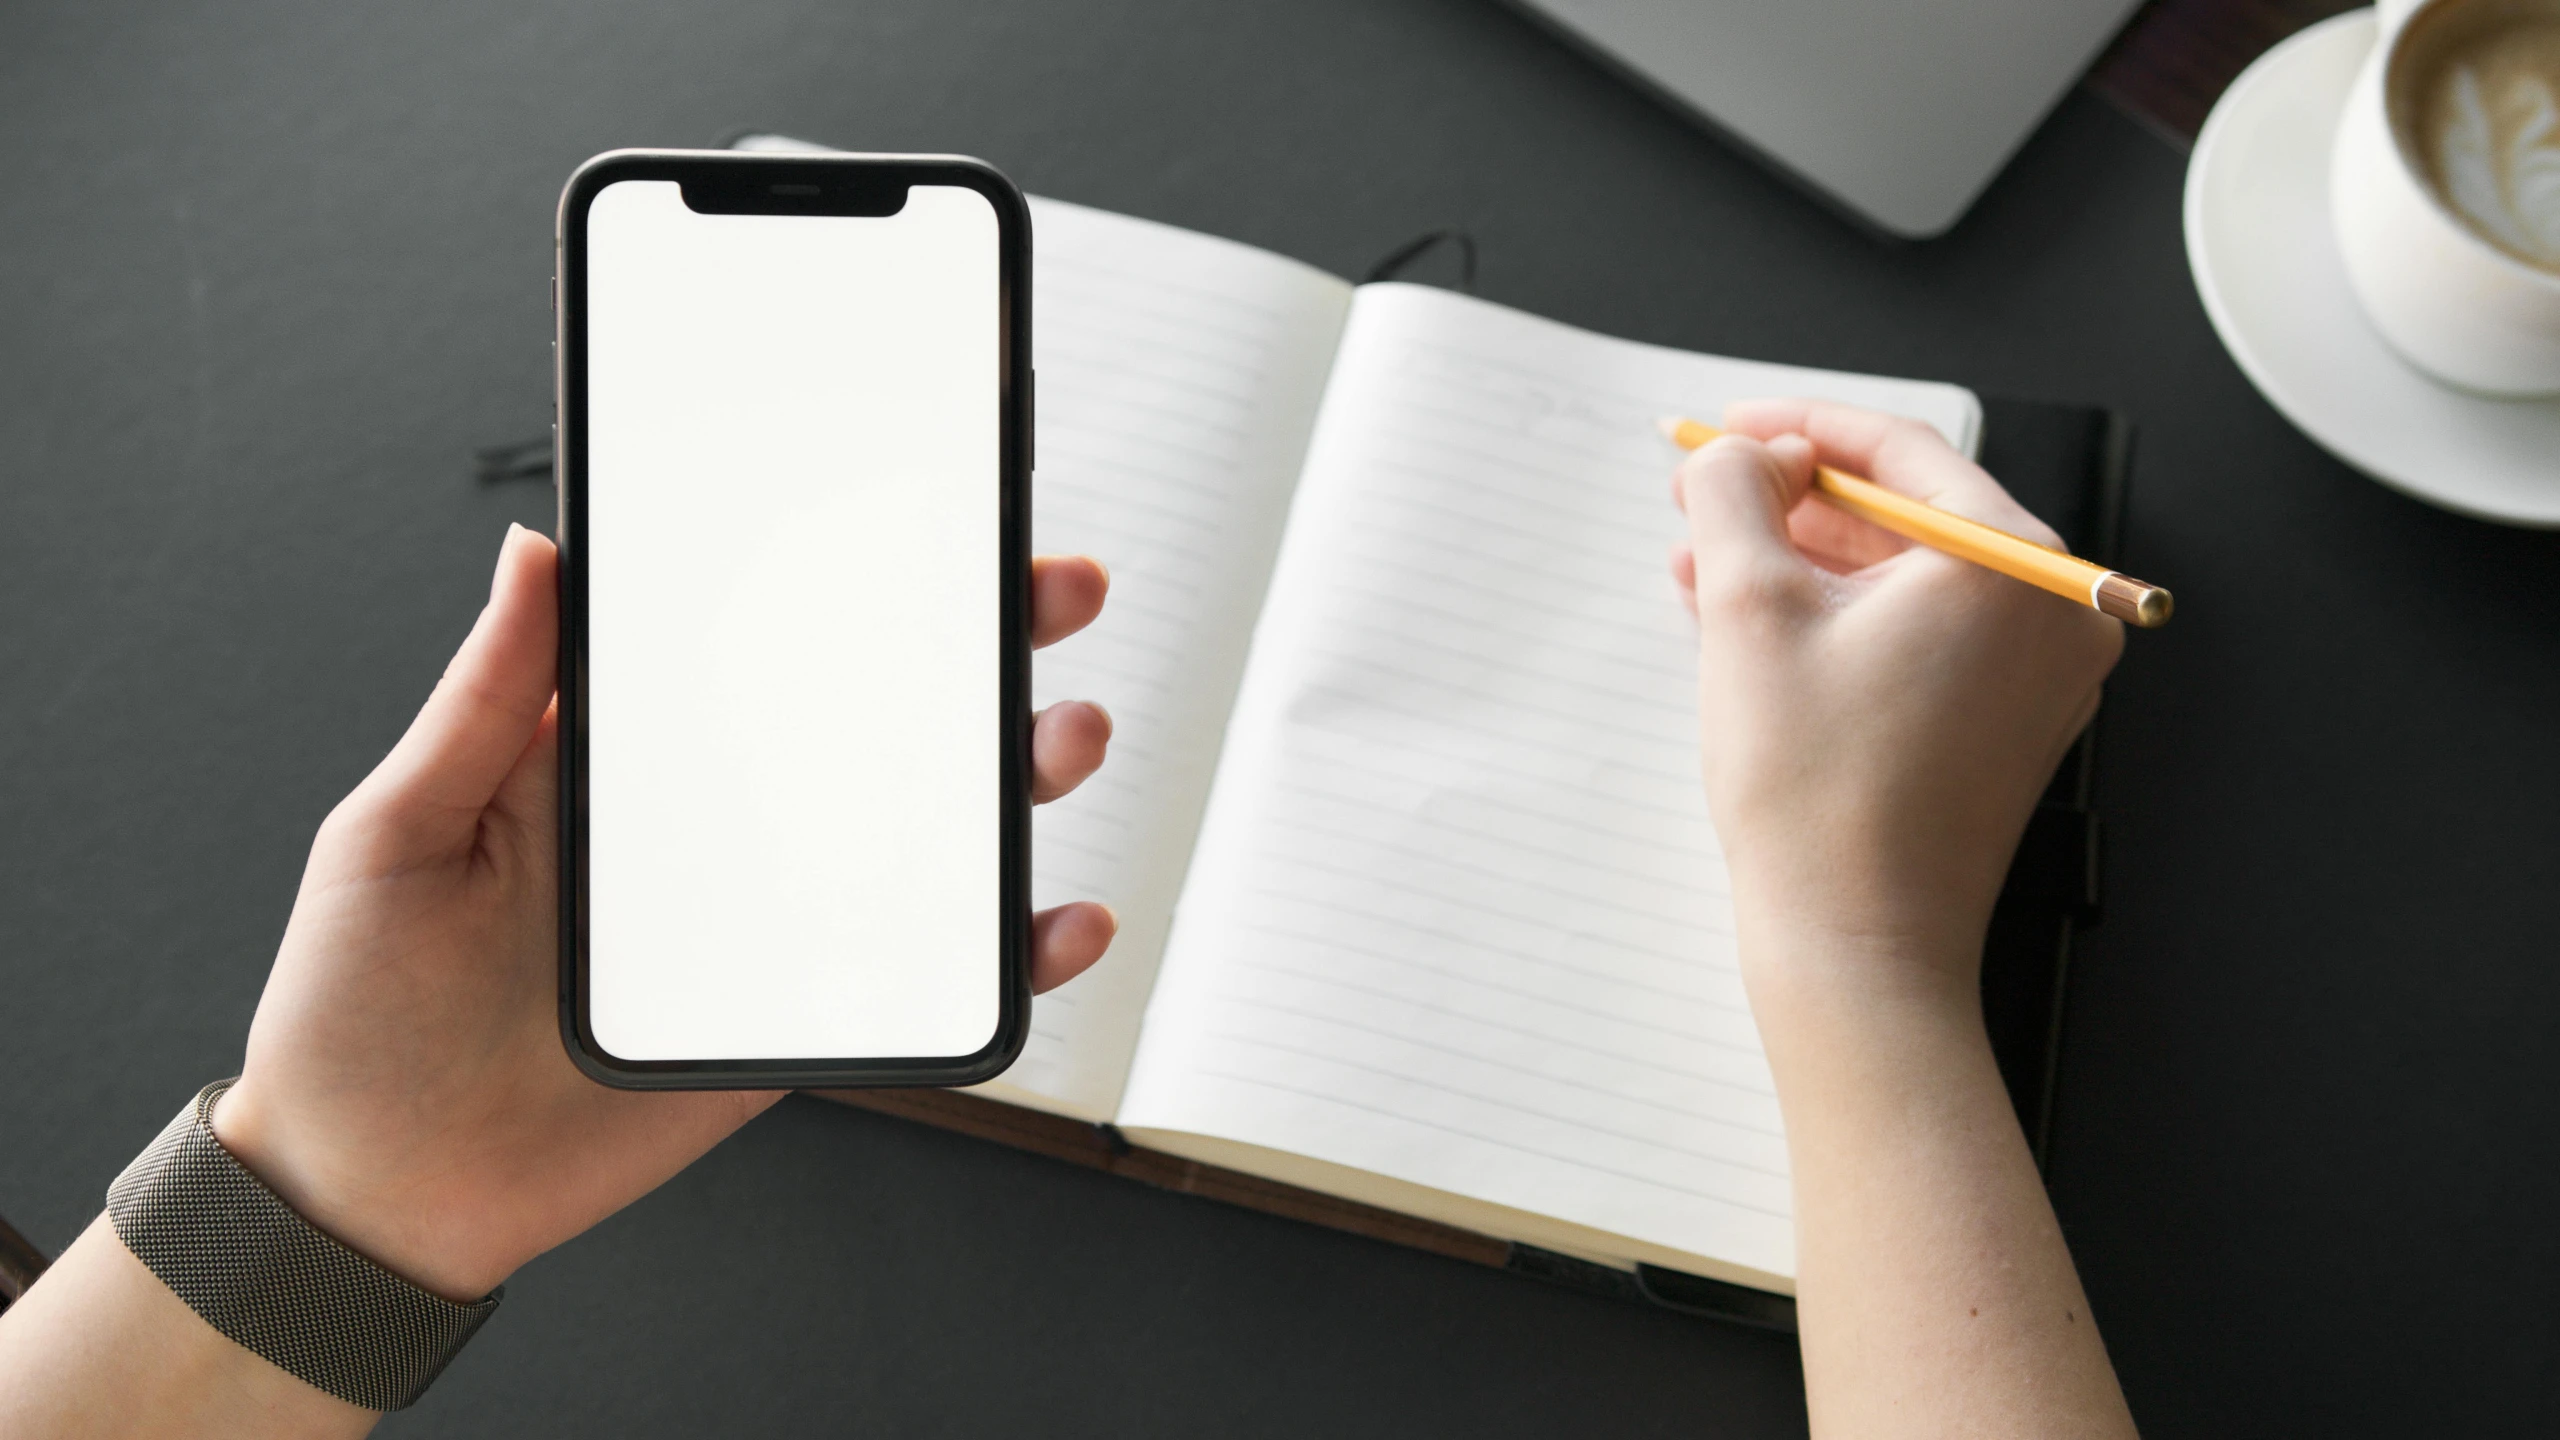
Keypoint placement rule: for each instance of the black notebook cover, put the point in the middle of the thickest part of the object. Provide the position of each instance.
(2070, 466)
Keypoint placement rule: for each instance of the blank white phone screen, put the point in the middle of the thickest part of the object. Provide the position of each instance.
(794, 724)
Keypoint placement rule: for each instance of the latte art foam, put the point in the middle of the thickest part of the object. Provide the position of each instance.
(2508, 185)
(2488, 126)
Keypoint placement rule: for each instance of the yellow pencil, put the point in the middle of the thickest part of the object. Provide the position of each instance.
(2132, 601)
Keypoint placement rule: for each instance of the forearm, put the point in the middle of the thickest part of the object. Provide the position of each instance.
(100, 1347)
(1935, 1293)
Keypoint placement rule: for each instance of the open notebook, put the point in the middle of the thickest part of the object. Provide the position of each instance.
(1403, 820)
(1420, 904)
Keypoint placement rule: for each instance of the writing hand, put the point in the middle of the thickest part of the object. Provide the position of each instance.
(1878, 718)
(1877, 721)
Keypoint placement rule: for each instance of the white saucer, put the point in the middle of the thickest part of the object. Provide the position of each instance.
(2259, 242)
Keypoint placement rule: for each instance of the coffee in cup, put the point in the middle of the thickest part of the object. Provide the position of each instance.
(2445, 190)
(2475, 95)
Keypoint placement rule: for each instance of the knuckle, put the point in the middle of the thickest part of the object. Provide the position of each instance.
(1751, 594)
(1722, 461)
(1732, 450)
(2028, 527)
(1899, 438)
(361, 834)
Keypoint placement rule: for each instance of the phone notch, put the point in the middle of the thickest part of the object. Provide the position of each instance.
(771, 193)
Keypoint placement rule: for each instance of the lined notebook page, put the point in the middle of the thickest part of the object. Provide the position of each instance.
(1179, 376)
(1457, 916)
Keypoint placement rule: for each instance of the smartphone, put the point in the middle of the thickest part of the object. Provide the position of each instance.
(794, 453)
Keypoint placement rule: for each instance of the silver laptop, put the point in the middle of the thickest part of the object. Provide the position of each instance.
(1899, 110)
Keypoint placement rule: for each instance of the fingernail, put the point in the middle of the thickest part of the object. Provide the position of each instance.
(1108, 725)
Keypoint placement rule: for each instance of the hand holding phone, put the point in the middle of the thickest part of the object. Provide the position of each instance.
(405, 1086)
(794, 694)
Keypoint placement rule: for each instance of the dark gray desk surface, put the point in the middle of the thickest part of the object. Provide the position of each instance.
(269, 270)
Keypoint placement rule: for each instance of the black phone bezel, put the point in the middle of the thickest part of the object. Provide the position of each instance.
(814, 184)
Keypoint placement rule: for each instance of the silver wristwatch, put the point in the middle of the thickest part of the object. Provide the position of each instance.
(271, 1280)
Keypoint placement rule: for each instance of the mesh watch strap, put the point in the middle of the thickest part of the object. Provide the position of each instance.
(261, 1274)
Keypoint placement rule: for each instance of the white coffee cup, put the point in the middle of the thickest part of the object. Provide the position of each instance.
(2449, 301)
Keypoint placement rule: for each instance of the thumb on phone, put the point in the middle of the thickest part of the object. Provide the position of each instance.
(474, 729)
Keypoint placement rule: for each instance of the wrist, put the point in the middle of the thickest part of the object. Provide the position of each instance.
(100, 1346)
(1820, 983)
(377, 1216)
